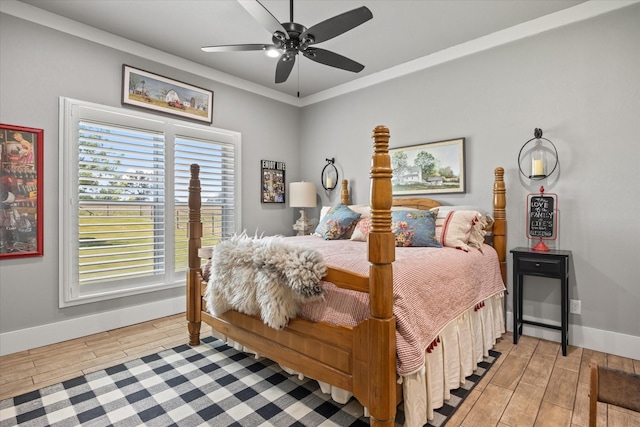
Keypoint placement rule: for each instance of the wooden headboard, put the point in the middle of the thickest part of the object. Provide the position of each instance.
(497, 231)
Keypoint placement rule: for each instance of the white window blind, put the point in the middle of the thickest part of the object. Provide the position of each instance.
(218, 182)
(121, 198)
(124, 212)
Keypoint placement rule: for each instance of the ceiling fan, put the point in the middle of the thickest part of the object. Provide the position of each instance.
(291, 38)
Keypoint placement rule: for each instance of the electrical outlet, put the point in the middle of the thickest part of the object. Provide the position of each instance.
(575, 306)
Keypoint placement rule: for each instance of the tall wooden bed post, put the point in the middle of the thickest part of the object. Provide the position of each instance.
(194, 278)
(344, 192)
(500, 220)
(382, 323)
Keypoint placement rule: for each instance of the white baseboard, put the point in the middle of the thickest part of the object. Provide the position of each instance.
(38, 336)
(581, 336)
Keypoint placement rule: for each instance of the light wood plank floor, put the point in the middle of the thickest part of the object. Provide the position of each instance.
(531, 384)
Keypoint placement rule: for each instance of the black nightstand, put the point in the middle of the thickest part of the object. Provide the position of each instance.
(553, 264)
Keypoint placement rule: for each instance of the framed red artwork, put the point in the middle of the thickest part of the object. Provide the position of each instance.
(21, 197)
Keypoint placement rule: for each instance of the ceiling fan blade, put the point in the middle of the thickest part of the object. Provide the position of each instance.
(337, 25)
(332, 59)
(284, 67)
(236, 47)
(263, 16)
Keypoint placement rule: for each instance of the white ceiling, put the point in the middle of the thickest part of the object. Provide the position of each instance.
(400, 31)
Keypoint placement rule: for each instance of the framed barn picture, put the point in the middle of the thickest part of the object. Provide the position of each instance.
(430, 168)
(154, 92)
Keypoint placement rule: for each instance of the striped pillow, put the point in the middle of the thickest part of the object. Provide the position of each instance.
(454, 229)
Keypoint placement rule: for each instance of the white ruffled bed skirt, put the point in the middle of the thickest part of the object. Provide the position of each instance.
(463, 343)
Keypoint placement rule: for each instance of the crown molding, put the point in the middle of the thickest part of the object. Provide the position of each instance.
(578, 13)
(581, 12)
(47, 19)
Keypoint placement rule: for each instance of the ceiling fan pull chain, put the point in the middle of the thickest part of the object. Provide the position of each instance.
(298, 79)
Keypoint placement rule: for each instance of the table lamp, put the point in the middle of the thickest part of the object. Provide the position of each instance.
(302, 195)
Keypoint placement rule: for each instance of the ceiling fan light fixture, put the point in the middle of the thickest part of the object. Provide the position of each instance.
(279, 36)
(304, 44)
(272, 51)
(290, 38)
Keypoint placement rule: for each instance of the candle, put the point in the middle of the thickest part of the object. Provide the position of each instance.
(329, 182)
(537, 167)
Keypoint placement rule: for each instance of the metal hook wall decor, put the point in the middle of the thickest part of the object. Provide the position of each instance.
(538, 163)
(329, 175)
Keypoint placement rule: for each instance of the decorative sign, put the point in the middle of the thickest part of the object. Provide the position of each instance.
(542, 216)
(272, 180)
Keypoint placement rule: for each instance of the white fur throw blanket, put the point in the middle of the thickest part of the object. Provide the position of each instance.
(263, 276)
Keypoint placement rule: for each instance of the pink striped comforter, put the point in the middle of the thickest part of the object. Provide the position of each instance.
(431, 287)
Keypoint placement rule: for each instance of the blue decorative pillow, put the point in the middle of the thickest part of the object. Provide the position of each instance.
(337, 223)
(414, 228)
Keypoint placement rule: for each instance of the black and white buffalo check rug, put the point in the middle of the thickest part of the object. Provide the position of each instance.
(209, 385)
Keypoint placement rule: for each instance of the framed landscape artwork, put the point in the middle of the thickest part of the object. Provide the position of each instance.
(21, 197)
(154, 92)
(429, 168)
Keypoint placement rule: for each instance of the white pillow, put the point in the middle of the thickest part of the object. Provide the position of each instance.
(323, 212)
(444, 210)
(363, 210)
(462, 226)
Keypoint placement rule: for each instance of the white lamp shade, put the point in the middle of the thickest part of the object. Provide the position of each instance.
(302, 195)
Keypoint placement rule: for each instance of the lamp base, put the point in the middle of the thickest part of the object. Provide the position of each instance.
(302, 225)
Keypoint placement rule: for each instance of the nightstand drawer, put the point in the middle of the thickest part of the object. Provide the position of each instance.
(540, 266)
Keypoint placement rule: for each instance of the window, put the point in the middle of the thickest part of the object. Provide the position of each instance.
(123, 208)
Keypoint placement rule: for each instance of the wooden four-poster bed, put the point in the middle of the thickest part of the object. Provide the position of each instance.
(360, 359)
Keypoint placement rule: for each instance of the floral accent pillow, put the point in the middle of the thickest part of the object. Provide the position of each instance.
(337, 223)
(414, 228)
(362, 229)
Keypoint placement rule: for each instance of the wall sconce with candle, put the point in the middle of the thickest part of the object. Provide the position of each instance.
(302, 195)
(538, 150)
(329, 175)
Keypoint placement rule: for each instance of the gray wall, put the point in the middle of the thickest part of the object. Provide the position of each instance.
(38, 65)
(581, 85)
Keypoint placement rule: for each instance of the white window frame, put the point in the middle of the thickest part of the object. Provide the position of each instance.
(71, 113)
